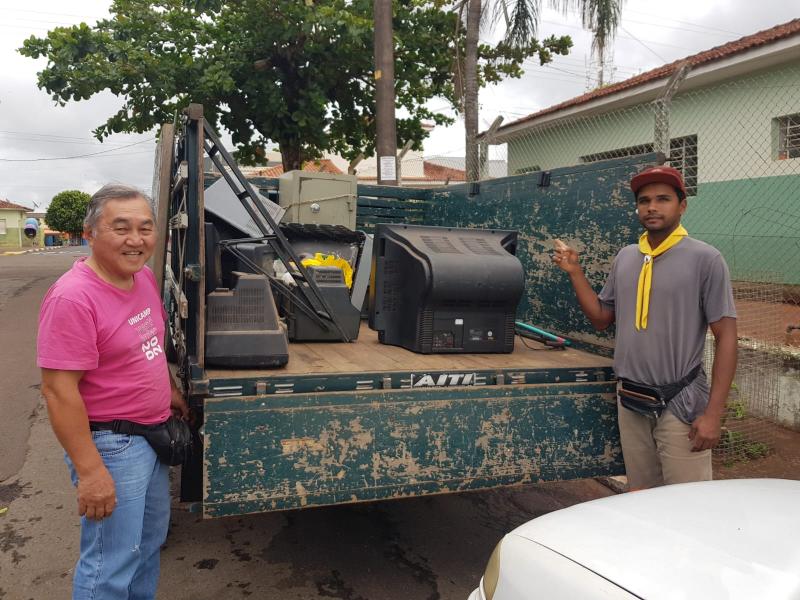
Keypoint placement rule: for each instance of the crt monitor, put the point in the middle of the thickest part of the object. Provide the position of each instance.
(445, 289)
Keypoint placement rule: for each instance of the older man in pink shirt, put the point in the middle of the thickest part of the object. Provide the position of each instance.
(100, 348)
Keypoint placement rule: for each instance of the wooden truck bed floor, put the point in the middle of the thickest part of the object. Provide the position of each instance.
(367, 355)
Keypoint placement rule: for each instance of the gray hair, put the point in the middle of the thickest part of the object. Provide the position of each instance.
(111, 191)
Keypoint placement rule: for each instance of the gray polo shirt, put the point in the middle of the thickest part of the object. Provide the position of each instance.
(691, 288)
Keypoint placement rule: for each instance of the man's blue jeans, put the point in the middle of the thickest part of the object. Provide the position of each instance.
(120, 554)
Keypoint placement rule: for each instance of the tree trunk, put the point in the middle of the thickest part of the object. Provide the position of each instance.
(291, 155)
(471, 89)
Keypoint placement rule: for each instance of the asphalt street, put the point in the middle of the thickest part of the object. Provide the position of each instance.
(431, 548)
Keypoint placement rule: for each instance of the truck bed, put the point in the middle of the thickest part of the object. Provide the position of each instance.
(363, 421)
(367, 355)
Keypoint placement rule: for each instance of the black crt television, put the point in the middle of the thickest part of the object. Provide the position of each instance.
(445, 289)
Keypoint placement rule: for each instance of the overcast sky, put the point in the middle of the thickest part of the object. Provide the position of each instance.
(36, 135)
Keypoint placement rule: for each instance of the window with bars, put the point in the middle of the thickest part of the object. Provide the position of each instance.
(531, 169)
(788, 136)
(682, 156)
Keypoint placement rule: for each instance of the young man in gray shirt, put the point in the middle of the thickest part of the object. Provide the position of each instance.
(664, 293)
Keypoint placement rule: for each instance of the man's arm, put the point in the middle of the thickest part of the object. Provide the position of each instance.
(706, 429)
(177, 401)
(67, 412)
(567, 259)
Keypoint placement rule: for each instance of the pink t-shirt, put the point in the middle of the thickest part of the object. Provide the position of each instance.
(115, 336)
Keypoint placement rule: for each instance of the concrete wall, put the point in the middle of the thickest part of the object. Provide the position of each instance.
(15, 221)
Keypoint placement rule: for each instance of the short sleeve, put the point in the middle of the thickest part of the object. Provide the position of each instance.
(717, 293)
(67, 338)
(607, 294)
(151, 279)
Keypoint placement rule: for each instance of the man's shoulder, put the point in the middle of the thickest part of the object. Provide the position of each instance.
(629, 251)
(699, 247)
(72, 285)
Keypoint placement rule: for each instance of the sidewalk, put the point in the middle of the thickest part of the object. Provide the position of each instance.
(13, 251)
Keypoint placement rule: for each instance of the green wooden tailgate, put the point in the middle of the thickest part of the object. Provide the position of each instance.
(264, 453)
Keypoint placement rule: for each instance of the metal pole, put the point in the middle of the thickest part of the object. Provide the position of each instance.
(661, 108)
(486, 139)
(386, 133)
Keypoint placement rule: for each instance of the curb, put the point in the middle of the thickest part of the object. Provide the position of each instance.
(32, 250)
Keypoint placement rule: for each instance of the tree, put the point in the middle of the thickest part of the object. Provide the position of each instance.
(295, 73)
(67, 210)
(601, 16)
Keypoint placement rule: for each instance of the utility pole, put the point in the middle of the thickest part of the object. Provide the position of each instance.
(386, 132)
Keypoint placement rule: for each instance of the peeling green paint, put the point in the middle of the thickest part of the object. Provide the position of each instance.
(388, 444)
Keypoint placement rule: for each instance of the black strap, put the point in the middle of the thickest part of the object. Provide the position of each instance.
(671, 390)
(122, 426)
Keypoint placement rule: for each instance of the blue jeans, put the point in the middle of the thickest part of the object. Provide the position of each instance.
(120, 554)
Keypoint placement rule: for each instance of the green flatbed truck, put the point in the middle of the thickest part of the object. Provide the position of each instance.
(363, 421)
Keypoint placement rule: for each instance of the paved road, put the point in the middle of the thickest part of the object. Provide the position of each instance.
(24, 279)
(431, 548)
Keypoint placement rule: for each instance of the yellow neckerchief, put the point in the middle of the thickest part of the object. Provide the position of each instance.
(646, 274)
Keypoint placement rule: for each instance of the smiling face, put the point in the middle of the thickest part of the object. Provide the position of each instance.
(122, 240)
(659, 208)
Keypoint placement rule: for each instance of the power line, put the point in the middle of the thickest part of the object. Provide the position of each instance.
(645, 45)
(684, 22)
(44, 139)
(76, 156)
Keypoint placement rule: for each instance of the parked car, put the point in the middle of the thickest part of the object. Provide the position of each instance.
(734, 539)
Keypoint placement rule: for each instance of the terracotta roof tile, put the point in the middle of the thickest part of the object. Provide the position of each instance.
(324, 165)
(440, 172)
(11, 206)
(748, 42)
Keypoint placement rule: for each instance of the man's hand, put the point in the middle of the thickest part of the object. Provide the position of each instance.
(565, 257)
(96, 495)
(705, 432)
(178, 404)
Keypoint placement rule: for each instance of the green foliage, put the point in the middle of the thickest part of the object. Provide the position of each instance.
(298, 73)
(736, 446)
(67, 210)
(737, 409)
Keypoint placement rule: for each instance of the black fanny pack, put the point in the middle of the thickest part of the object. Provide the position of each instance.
(171, 440)
(651, 400)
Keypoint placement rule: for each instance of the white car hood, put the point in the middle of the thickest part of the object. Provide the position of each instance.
(721, 539)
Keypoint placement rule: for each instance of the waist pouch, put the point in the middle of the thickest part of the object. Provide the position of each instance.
(651, 400)
(170, 440)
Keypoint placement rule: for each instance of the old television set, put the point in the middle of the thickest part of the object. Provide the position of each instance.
(445, 289)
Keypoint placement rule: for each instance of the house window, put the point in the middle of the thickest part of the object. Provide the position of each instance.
(682, 156)
(788, 136)
(618, 153)
(3, 227)
(523, 170)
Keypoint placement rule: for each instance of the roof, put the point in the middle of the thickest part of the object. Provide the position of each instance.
(749, 42)
(324, 165)
(440, 172)
(6, 205)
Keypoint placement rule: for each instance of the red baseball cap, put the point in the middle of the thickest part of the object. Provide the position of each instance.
(667, 175)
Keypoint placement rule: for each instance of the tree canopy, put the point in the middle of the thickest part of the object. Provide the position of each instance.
(296, 74)
(67, 210)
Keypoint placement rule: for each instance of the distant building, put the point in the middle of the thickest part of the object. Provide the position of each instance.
(12, 222)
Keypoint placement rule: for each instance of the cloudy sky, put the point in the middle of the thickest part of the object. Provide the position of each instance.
(45, 149)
